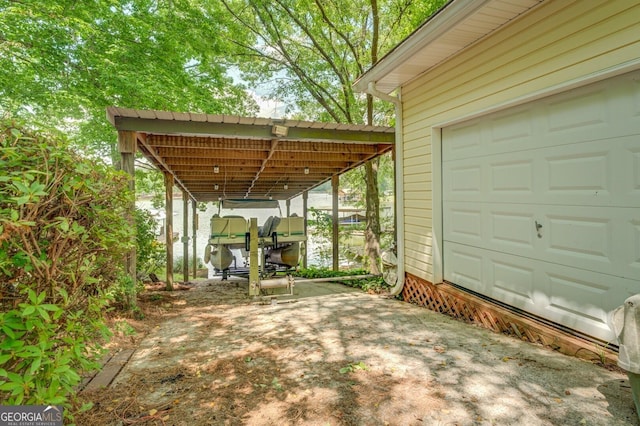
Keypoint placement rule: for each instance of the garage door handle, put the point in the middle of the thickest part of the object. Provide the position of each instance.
(538, 228)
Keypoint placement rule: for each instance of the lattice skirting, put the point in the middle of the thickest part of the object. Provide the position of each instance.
(448, 300)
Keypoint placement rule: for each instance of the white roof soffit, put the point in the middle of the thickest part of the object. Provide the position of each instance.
(454, 27)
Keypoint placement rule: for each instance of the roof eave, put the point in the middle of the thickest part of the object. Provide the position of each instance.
(386, 75)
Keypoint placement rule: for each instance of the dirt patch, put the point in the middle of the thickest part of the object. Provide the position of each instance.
(333, 355)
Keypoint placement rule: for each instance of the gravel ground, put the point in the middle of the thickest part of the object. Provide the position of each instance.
(333, 355)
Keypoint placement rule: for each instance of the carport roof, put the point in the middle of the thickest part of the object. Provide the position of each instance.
(246, 157)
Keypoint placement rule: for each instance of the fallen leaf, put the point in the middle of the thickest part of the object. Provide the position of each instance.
(153, 412)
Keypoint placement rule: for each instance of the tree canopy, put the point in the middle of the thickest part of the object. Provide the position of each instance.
(309, 52)
(63, 61)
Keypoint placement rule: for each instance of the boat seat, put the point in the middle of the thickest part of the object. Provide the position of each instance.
(269, 226)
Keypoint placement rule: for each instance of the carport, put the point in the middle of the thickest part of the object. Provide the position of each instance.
(212, 157)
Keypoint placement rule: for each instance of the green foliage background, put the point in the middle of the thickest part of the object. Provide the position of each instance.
(150, 253)
(62, 62)
(63, 236)
(63, 233)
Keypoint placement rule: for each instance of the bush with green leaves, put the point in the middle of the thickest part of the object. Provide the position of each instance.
(150, 253)
(375, 284)
(63, 237)
(178, 263)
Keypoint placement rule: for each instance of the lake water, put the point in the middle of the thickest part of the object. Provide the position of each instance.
(318, 200)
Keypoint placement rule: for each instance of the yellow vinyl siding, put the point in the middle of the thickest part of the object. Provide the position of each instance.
(423, 162)
(414, 229)
(551, 37)
(417, 204)
(418, 258)
(557, 42)
(417, 169)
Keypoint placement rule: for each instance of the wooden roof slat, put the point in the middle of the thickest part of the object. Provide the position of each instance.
(261, 154)
(251, 159)
(256, 144)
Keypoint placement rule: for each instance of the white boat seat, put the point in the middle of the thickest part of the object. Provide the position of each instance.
(269, 226)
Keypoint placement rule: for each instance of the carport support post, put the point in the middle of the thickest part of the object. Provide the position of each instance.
(254, 287)
(185, 237)
(168, 236)
(335, 180)
(305, 198)
(127, 145)
(194, 229)
(288, 203)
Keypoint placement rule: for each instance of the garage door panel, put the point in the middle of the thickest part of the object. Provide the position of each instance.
(572, 297)
(514, 177)
(563, 291)
(579, 112)
(606, 110)
(504, 179)
(634, 157)
(594, 173)
(584, 238)
(582, 300)
(466, 140)
(464, 224)
(541, 204)
(511, 129)
(591, 238)
(512, 230)
(633, 248)
(513, 281)
(468, 271)
(464, 180)
(574, 173)
(499, 227)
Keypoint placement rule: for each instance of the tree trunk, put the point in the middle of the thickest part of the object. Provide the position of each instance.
(372, 231)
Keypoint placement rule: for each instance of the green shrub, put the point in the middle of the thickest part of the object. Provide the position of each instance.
(150, 253)
(63, 236)
(373, 284)
(178, 262)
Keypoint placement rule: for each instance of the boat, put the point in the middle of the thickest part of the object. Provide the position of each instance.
(280, 239)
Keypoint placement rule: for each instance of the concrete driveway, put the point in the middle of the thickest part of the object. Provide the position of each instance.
(333, 355)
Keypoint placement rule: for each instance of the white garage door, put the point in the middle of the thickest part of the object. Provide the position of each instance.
(541, 204)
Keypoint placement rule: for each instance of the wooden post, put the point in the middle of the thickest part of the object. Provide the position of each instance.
(254, 278)
(168, 208)
(288, 203)
(335, 180)
(185, 237)
(127, 145)
(305, 198)
(194, 229)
